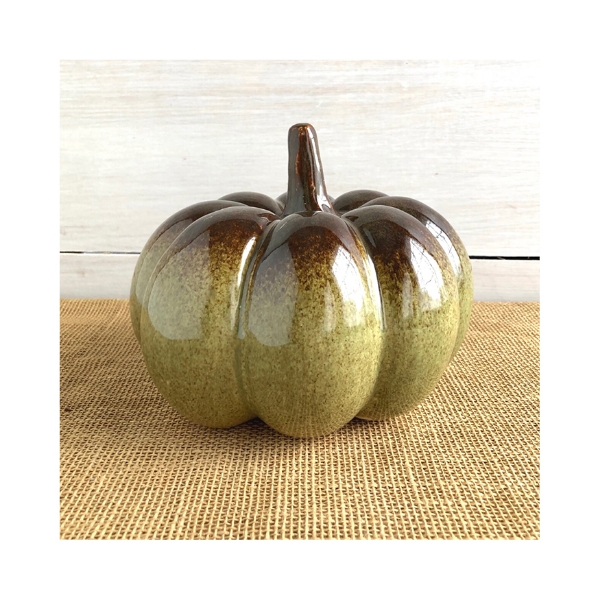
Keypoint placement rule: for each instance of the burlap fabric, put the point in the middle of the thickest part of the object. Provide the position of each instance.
(464, 464)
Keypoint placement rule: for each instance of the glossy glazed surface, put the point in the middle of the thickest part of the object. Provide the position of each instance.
(189, 317)
(419, 295)
(310, 328)
(305, 311)
(452, 246)
(166, 234)
(354, 199)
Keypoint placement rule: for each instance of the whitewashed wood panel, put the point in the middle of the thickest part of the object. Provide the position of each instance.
(140, 140)
(506, 280)
(96, 275)
(109, 276)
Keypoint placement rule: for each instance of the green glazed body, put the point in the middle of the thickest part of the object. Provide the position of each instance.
(304, 311)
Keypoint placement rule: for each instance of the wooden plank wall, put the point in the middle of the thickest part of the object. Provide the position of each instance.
(140, 140)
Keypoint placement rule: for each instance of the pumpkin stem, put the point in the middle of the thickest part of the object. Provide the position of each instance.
(306, 185)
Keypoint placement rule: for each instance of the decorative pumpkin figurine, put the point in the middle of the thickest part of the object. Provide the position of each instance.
(304, 311)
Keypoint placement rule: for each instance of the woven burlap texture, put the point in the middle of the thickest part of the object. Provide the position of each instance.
(464, 464)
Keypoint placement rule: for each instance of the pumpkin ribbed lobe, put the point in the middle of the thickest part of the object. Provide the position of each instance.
(306, 184)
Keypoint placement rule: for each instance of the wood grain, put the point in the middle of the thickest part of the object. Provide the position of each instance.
(140, 140)
(109, 276)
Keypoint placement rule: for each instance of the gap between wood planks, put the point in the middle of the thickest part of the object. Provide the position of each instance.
(474, 257)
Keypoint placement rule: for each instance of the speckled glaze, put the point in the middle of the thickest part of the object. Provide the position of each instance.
(304, 311)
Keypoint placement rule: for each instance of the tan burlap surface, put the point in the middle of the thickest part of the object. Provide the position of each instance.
(464, 464)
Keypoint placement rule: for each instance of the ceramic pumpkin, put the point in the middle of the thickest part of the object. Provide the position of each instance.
(304, 311)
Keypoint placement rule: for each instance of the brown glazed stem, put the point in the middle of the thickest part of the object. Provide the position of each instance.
(306, 185)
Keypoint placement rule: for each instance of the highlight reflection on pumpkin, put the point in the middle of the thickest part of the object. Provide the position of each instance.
(304, 311)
